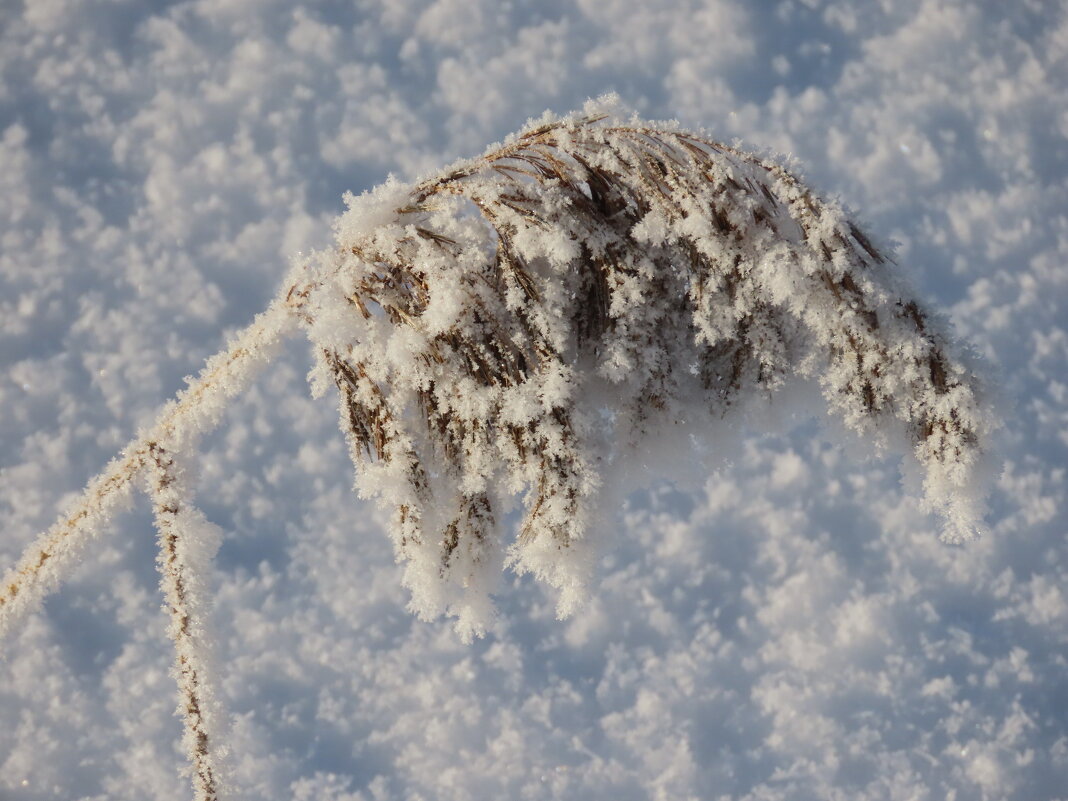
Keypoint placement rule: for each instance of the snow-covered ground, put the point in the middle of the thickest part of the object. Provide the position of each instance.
(793, 630)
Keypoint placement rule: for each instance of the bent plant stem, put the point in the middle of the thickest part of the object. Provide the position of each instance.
(187, 624)
(39, 569)
(47, 561)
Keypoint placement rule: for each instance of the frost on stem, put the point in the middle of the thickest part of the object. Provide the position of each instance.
(520, 321)
(196, 410)
(187, 544)
(187, 540)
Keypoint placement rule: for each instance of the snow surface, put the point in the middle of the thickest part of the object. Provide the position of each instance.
(793, 629)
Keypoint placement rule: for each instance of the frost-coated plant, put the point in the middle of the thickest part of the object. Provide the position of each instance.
(514, 327)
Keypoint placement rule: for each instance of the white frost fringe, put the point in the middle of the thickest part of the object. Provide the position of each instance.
(187, 544)
(195, 411)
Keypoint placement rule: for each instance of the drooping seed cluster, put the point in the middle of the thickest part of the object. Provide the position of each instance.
(508, 327)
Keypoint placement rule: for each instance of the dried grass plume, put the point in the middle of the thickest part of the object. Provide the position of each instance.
(514, 327)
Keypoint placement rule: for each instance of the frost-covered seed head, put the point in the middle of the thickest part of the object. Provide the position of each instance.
(520, 322)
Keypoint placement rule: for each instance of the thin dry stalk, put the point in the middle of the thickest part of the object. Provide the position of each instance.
(196, 410)
(179, 577)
